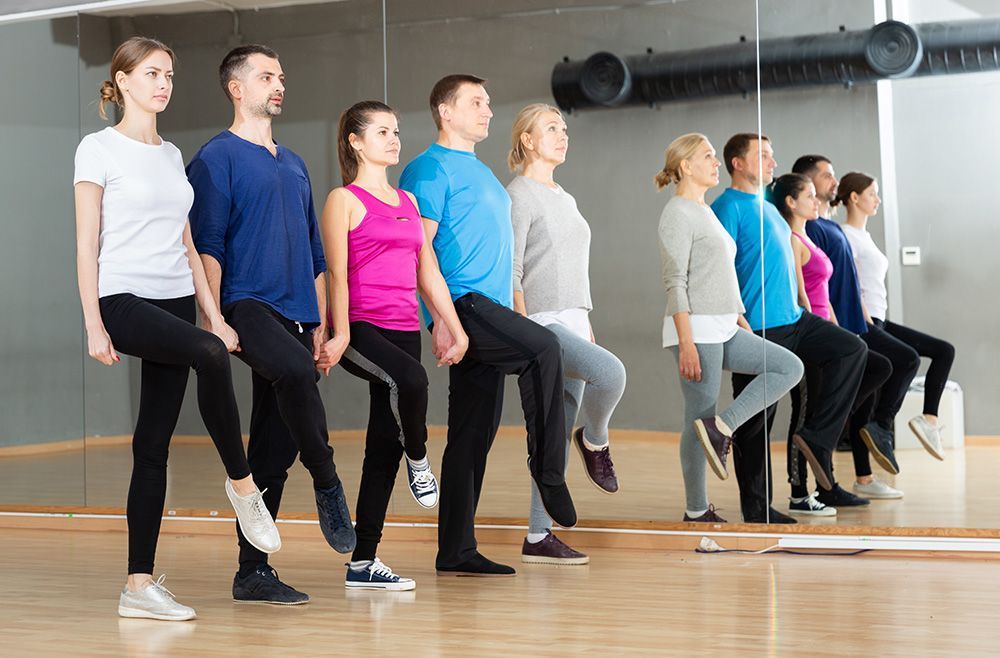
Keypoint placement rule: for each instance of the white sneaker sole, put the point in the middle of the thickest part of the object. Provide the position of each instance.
(542, 559)
(242, 602)
(136, 613)
(828, 511)
(385, 587)
(925, 442)
(260, 546)
(878, 496)
(713, 458)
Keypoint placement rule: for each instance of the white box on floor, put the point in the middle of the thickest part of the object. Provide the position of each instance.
(951, 416)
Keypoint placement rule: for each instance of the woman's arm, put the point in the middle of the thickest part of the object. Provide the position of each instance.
(833, 316)
(212, 316)
(334, 226)
(800, 260)
(88, 198)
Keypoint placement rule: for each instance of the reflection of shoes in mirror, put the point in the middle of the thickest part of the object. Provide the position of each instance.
(376, 603)
(773, 517)
(477, 566)
(809, 506)
(558, 503)
(876, 489)
(375, 574)
(254, 519)
(819, 459)
(879, 442)
(716, 444)
(335, 518)
(598, 465)
(149, 637)
(551, 551)
(709, 516)
(423, 484)
(928, 435)
(840, 497)
(154, 601)
(264, 586)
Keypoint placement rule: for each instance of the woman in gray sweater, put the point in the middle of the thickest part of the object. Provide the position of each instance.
(704, 325)
(552, 287)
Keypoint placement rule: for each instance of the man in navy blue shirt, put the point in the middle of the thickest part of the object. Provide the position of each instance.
(255, 227)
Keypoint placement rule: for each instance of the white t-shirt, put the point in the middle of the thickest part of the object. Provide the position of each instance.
(144, 211)
(872, 266)
(576, 320)
(705, 329)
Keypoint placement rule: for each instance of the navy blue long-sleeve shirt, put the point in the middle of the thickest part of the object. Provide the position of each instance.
(253, 212)
(845, 293)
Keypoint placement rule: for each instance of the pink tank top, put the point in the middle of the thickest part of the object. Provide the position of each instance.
(383, 253)
(816, 274)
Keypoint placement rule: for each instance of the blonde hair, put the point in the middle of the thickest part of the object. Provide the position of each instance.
(682, 148)
(127, 56)
(525, 123)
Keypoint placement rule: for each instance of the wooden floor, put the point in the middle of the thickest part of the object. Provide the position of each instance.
(61, 588)
(959, 492)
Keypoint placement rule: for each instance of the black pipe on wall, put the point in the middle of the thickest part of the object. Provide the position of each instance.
(888, 50)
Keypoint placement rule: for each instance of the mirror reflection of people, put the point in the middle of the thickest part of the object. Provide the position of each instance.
(704, 325)
(378, 260)
(552, 287)
(139, 278)
(765, 268)
(845, 297)
(858, 192)
(794, 195)
(466, 216)
(255, 227)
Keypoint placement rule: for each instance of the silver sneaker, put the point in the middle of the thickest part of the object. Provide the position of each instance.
(153, 602)
(254, 519)
(929, 436)
(876, 489)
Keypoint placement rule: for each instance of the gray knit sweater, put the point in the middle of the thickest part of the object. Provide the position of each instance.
(698, 261)
(551, 247)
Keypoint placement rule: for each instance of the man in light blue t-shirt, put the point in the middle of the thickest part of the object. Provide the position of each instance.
(765, 268)
(466, 215)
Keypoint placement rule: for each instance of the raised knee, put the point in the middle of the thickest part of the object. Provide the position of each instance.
(413, 380)
(212, 354)
(298, 371)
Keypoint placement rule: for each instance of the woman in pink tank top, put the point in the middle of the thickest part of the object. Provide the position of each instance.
(795, 197)
(378, 260)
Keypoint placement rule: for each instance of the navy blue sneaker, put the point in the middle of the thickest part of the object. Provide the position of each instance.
(263, 586)
(377, 575)
(423, 485)
(879, 442)
(335, 518)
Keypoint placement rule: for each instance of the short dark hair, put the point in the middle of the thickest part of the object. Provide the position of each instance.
(808, 164)
(235, 62)
(446, 89)
(737, 147)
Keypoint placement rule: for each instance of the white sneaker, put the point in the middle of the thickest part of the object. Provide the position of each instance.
(377, 575)
(929, 436)
(254, 519)
(876, 489)
(809, 506)
(154, 601)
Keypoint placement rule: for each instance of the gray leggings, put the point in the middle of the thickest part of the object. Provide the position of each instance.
(594, 383)
(743, 353)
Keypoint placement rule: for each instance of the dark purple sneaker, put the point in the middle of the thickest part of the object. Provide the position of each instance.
(708, 517)
(551, 551)
(716, 445)
(600, 468)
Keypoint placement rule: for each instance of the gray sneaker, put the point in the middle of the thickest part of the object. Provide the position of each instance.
(929, 436)
(153, 601)
(254, 519)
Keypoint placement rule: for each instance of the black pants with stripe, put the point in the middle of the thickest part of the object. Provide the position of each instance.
(501, 342)
(389, 360)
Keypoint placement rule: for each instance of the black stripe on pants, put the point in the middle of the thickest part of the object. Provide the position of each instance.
(162, 333)
(501, 342)
(288, 417)
(940, 352)
(390, 361)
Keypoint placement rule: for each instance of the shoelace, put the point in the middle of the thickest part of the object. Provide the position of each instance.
(258, 510)
(710, 514)
(813, 503)
(339, 512)
(158, 584)
(380, 568)
(604, 464)
(423, 481)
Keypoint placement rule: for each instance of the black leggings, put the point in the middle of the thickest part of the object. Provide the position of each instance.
(940, 352)
(397, 419)
(161, 332)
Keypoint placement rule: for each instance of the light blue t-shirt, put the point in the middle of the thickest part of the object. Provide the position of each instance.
(475, 239)
(739, 213)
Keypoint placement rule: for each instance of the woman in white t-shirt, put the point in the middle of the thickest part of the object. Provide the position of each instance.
(859, 194)
(139, 276)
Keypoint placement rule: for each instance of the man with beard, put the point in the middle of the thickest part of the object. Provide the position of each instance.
(255, 227)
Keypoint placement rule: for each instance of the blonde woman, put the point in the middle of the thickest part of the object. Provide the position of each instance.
(704, 325)
(552, 287)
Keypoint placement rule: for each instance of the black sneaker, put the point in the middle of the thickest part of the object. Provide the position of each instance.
(708, 517)
(819, 459)
(263, 586)
(477, 566)
(558, 503)
(773, 516)
(879, 441)
(840, 497)
(335, 518)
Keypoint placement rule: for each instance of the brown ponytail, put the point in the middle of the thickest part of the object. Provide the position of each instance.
(854, 182)
(353, 121)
